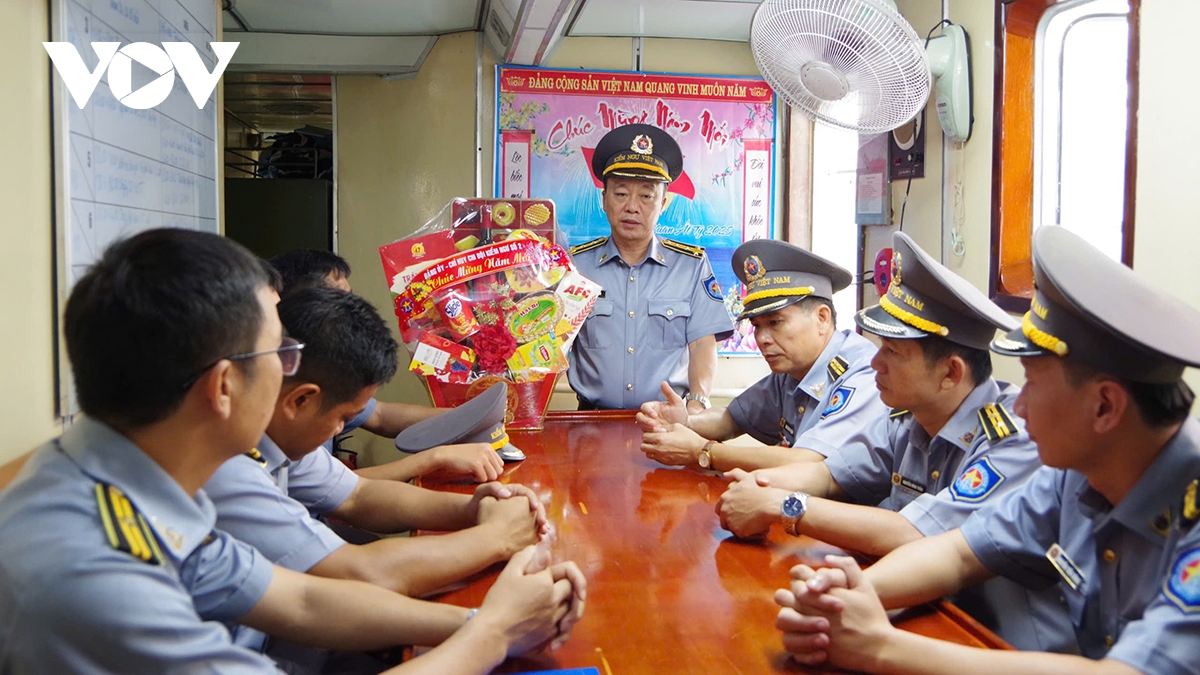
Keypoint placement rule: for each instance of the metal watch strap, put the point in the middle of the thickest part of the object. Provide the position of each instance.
(699, 398)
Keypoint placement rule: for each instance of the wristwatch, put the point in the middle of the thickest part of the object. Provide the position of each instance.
(794, 507)
(699, 398)
(705, 458)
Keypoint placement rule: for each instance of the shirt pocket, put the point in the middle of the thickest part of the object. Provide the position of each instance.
(668, 323)
(597, 325)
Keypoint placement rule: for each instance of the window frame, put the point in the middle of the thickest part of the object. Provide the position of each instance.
(1011, 270)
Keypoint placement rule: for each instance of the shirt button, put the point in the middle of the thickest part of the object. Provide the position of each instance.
(629, 387)
(670, 313)
(631, 315)
(935, 475)
(633, 278)
(1110, 556)
(1108, 641)
(631, 350)
(800, 410)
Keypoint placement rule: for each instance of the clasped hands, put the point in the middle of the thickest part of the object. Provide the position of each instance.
(833, 615)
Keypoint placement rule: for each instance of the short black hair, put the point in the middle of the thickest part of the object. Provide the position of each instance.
(309, 267)
(979, 361)
(347, 345)
(274, 278)
(810, 304)
(151, 313)
(1160, 405)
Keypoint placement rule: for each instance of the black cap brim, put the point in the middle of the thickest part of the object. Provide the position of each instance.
(877, 321)
(1014, 343)
(510, 453)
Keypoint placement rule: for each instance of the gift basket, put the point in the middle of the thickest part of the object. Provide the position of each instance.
(484, 294)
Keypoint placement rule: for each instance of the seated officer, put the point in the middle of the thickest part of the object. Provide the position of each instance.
(821, 389)
(1109, 523)
(660, 314)
(265, 497)
(107, 549)
(306, 268)
(950, 447)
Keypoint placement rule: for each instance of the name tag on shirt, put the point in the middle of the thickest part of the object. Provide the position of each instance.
(1065, 566)
(908, 483)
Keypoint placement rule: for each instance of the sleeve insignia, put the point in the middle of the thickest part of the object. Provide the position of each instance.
(838, 401)
(713, 288)
(680, 247)
(124, 527)
(975, 484)
(996, 421)
(588, 245)
(837, 367)
(1182, 587)
(255, 455)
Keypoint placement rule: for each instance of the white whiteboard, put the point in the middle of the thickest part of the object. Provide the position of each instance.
(119, 171)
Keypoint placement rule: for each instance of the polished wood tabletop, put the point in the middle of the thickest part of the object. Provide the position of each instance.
(669, 591)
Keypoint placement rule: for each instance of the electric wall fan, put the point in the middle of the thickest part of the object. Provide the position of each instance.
(859, 65)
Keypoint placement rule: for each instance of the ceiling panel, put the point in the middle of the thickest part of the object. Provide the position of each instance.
(357, 17)
(703, 19)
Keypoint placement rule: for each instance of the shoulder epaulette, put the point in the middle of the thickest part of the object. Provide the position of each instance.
(837, 367)
(996, 421)
(1189, 511)
(897, 413)
(589, 245)
(126, 529)
(255, 455)
(686, 249)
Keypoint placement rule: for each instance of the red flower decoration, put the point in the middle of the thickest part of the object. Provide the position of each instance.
(493, 345)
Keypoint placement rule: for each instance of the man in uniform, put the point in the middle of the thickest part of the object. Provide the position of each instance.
(307, 268)
(1109, 523)
(107, 549)
(660, 313)
(821, 389)
(950, 447)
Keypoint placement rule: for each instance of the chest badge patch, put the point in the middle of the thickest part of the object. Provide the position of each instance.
(838, 402)
(713, 288)
(907, 483)
(1067, 567)
(975, 484)
(1183, 586)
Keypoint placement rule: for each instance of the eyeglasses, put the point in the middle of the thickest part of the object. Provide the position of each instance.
(289, 357)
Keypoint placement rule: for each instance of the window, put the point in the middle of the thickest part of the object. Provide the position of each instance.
(834, 232)
(1064, 144)
(1080, 112)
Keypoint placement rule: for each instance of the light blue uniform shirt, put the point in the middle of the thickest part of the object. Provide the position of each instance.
(71, 603)
(1137, 588)
(936, 483)
(833, 402)
(637, 335)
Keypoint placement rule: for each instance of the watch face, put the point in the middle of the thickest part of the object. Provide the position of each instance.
(704, 460)
(792, 506)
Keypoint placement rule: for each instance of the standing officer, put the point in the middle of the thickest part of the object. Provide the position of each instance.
(1110, 522)
(951, 447)
(821, 390)
(660, 314)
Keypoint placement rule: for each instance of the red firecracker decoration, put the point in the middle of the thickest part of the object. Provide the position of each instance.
(493, 346)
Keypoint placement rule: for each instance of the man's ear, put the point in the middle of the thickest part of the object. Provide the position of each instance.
(217, 387)
(956, 372)
(300, 399)
(1111, 403)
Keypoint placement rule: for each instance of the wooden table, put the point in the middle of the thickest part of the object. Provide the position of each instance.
(669, 591)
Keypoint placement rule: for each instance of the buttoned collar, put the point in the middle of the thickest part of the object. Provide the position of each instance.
(272, 454)
(609, 253)
(817, 379)
(963, 429)
(1156, 493)
(180, 521)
